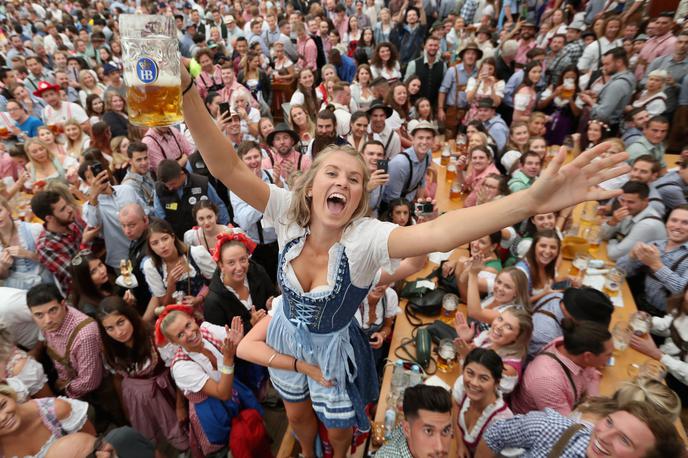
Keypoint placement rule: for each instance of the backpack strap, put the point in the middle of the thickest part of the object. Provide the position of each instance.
(568, 373)
(560, 445)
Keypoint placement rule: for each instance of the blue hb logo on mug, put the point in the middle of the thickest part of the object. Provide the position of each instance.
(146, 70)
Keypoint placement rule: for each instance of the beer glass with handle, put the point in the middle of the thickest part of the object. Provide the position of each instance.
(151, 69)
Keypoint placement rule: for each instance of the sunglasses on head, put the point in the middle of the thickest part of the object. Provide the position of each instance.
(79, 258)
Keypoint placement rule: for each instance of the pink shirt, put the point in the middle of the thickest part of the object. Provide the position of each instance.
(84, 357)
(475, 181)
(171, 145)
(292, 157)
(8, 168)
(206, 80)
(653, 48)
(308, 53)
(522, 50)
(545, 384)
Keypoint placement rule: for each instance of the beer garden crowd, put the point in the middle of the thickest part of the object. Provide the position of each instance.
(104, 224)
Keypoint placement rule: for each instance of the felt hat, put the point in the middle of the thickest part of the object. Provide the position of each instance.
(474, 46)
(45, 86)
(282, 128)
(377, 104)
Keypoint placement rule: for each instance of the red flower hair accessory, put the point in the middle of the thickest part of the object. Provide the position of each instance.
(231, 236)
(160, 338)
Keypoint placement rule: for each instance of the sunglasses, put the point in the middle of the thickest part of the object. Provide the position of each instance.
(79, 258)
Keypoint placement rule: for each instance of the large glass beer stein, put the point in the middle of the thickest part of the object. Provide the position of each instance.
(151, 69)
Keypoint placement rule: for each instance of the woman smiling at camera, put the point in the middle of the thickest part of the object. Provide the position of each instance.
(478, 400)
(331, 254)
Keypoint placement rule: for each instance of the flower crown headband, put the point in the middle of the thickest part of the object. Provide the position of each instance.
(231, 236)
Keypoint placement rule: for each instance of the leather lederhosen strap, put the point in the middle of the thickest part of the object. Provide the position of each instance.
(560, 445)
(162, 150)
(64, 359)
(567, 371)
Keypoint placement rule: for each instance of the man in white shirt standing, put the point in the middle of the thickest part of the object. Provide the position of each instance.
(57, 112)
(592, 54)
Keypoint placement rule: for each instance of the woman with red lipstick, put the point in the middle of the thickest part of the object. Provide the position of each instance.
(205, 234)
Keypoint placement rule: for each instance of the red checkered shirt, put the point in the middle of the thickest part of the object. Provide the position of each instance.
(56, 250)
(84, 357)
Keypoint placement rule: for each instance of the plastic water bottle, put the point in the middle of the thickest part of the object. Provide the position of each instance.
(415, 378)
(398, 377)
(390, 422)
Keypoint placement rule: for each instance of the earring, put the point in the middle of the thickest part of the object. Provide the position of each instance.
(309, 194)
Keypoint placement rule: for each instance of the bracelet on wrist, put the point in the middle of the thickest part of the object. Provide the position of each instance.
(188, 88)
(228, 370)
(295, 368)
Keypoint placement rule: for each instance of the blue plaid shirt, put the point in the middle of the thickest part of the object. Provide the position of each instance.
(537, 433)
(468, 10)
(664, 280)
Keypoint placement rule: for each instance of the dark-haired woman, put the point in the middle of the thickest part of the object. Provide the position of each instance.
(540, 263)
(385, 62)
(91, 283)
(150, 399)
(478, 400)
(358, 136)
(174, 266)
(205, 234)
(526, 95)
(560, 102)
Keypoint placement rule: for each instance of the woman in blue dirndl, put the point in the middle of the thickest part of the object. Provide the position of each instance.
(331, 255)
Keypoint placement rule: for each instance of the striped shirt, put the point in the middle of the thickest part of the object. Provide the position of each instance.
(665, 281)
(672, 189)
(537, 433)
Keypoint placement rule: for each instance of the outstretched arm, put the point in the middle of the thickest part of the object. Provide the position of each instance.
(218, 152)
(559, 186)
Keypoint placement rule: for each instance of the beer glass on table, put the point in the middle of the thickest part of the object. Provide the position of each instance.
(641, 323)
(621, 336)
(579, 265)
(450, 303)
(151, 69)
(446, 355)
(613, 282)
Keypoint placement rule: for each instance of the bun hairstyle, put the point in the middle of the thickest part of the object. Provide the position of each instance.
(584, 336)
(651, 392)
(487, 358)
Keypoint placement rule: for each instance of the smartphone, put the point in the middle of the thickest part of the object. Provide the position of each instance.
(224, 108)
(382, 164)
(96, 169)
(561, 285)
(423, 208)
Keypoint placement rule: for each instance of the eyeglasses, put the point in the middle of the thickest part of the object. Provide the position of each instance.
(79, 258)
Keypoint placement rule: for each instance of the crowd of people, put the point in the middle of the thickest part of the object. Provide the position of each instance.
(162, 287)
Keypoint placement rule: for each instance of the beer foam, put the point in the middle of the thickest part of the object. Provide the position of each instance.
(164, 80)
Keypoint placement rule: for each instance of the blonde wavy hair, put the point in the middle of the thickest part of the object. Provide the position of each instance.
(650, 391)
(6, 390)
(519, 347)
(35, 141)
(300, 209)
